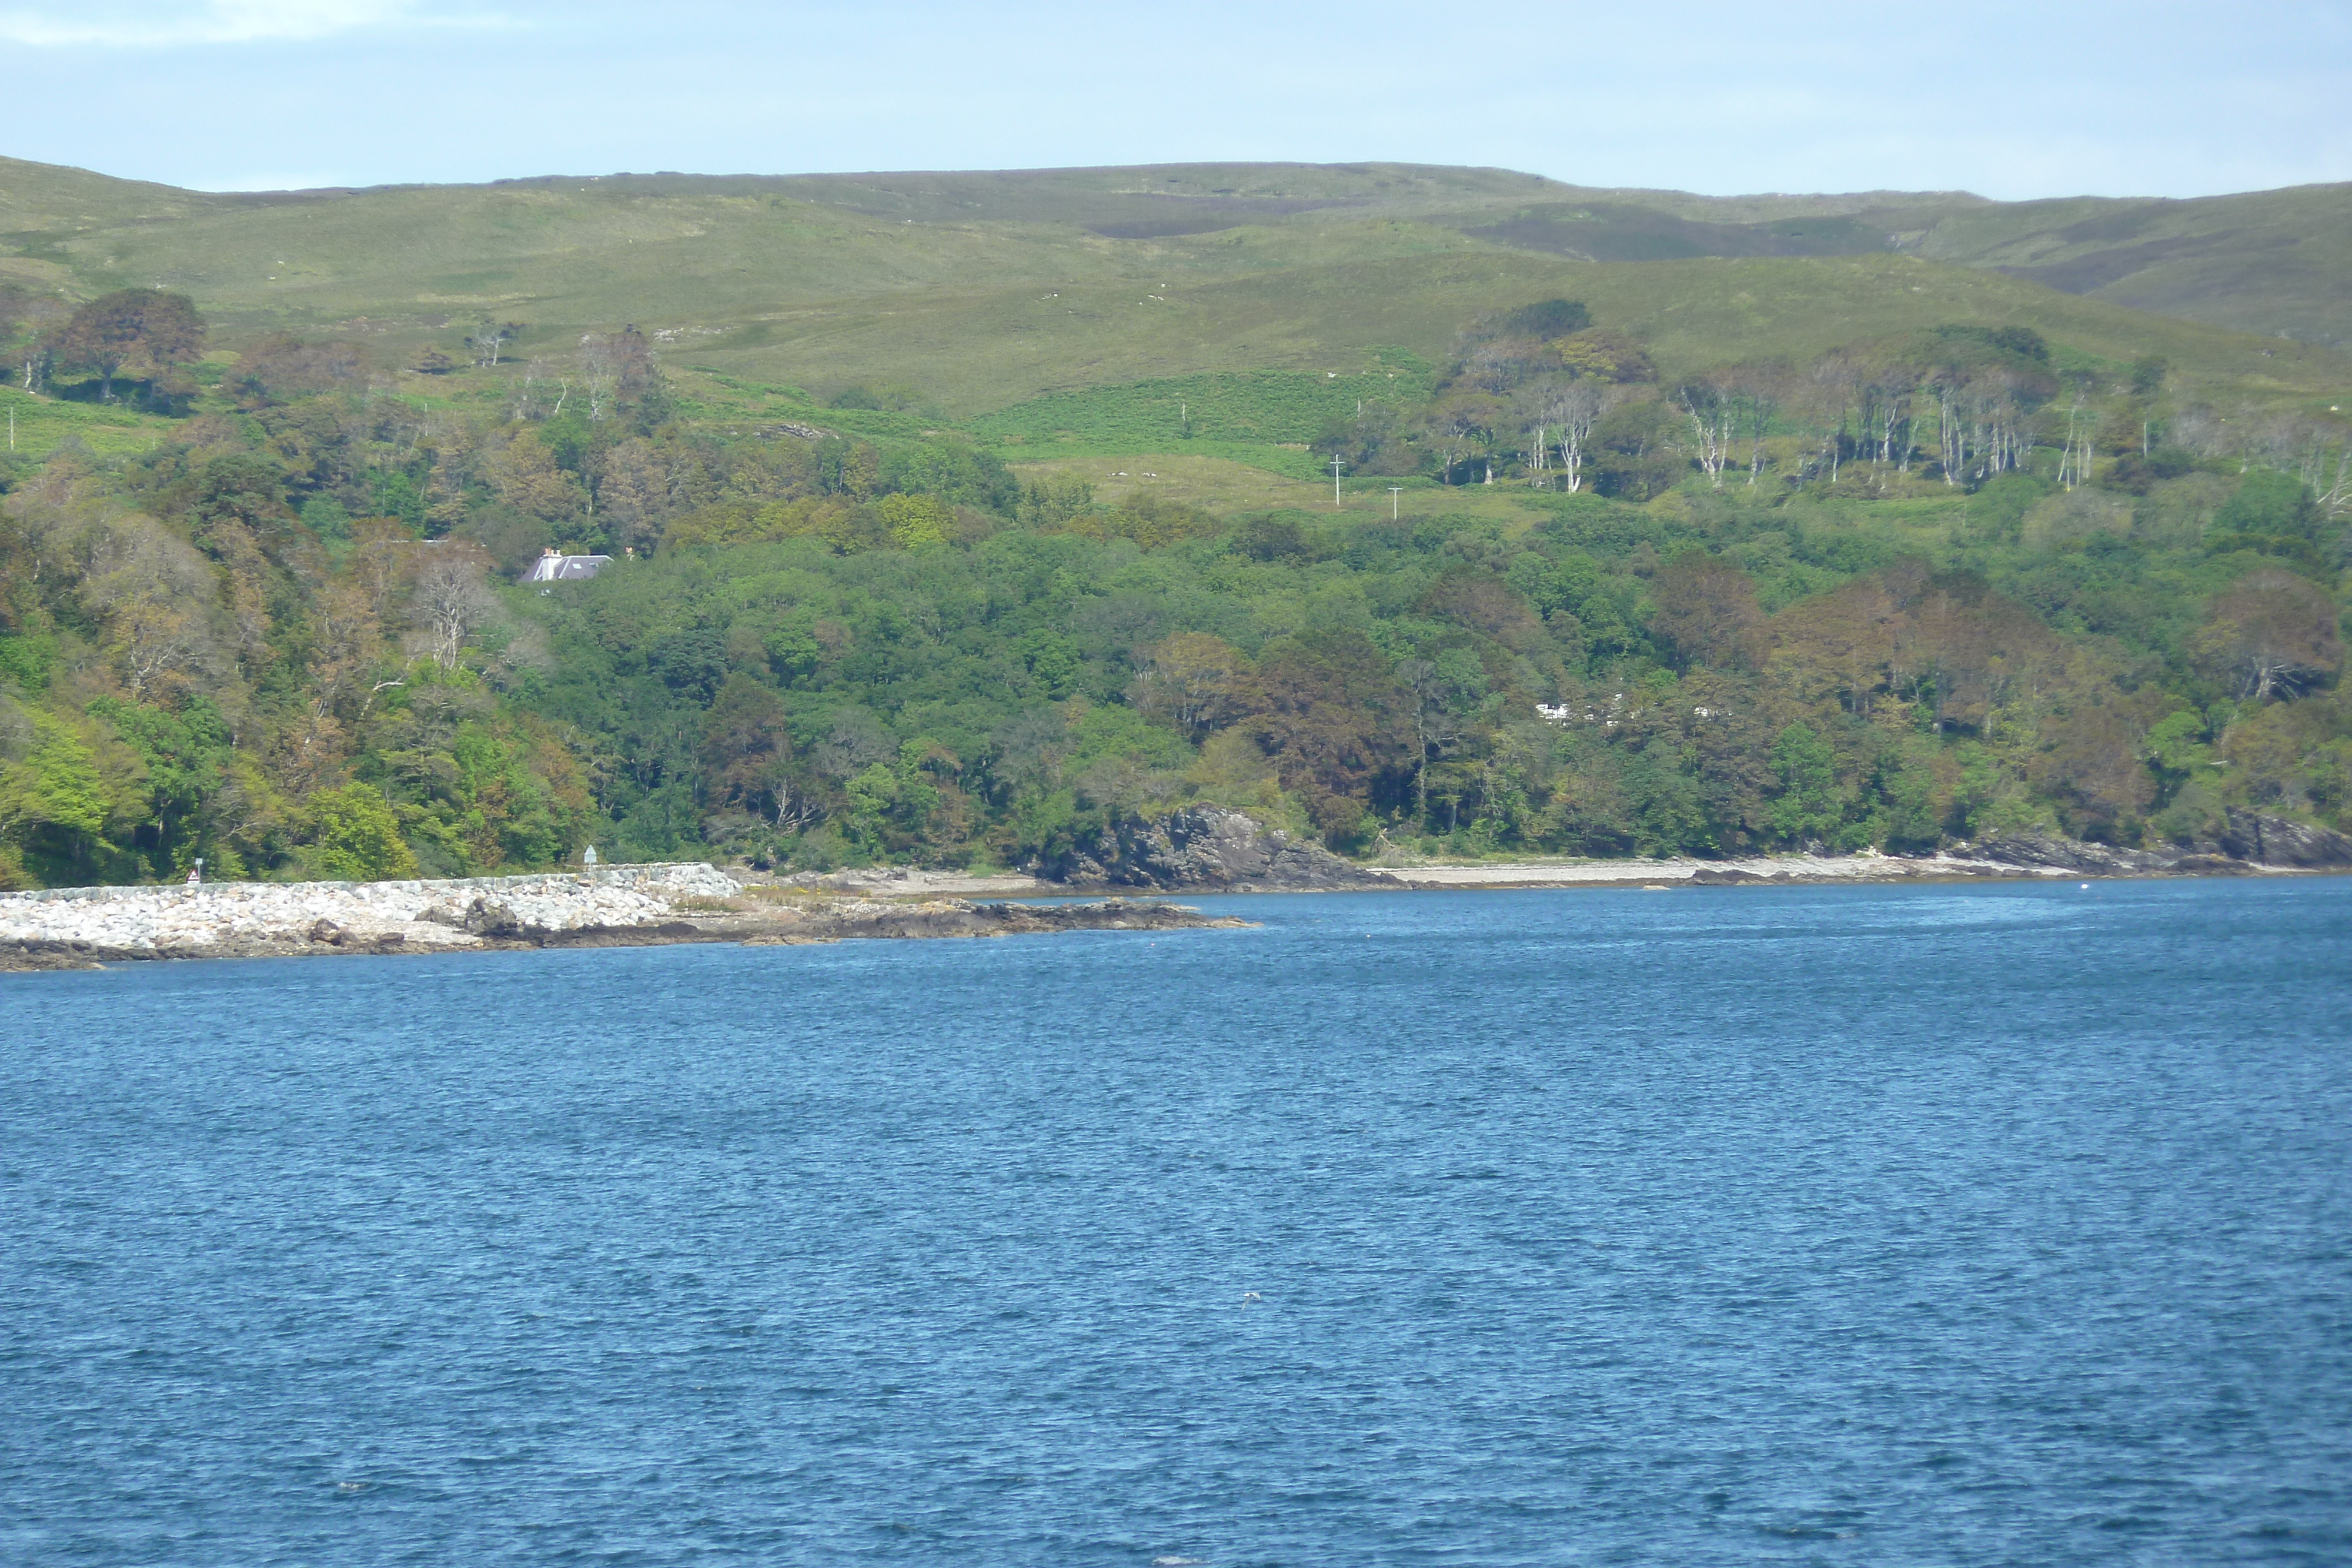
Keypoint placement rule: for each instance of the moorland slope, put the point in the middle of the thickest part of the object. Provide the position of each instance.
(984, 288)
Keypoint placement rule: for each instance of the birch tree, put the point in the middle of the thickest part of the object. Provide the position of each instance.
(488, 338)
(39, 319)
(1714, 418)
(1567, 411)
(2081, 424)
(600, 374)
(453, 600)
(1435, 732)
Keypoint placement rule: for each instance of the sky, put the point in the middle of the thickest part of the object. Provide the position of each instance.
(2013, 100)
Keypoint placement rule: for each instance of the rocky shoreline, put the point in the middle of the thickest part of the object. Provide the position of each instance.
(1202, 848)
(606, 906)
(1211, 849)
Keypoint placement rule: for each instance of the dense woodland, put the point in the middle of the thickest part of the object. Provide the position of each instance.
(1913, 591)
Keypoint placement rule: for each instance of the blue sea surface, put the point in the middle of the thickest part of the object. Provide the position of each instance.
(1933, 1225)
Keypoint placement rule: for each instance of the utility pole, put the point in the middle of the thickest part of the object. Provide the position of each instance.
(1335, 481)
(1394, 491)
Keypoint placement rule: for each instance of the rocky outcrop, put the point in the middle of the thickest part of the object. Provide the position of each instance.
(1731, 876)
(905, 880)
(2249, 842)
(2049, 853)
(958, 918)
(2278, 842)
(1205, 849)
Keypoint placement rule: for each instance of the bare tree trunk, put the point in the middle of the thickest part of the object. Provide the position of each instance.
(2337, 497)
(1761, 410)
(1709, 425)
(2067, 477)
(1577, 408)
(1951, 435)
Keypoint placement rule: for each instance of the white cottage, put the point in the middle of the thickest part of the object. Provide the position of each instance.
(552, 566)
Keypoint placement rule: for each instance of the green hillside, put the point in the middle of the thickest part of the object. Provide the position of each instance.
(2273, 262)
(957, 517)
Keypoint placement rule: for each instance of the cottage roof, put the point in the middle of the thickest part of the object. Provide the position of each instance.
(554, 567)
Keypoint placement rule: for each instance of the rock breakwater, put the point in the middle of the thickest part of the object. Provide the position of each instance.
(607, 906)
(252, 919)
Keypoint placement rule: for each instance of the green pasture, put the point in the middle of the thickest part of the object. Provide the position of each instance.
(1252, 408)
(33, 428)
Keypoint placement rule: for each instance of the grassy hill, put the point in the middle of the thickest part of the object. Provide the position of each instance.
(2274, 262)
(983, 290)
(975, 352)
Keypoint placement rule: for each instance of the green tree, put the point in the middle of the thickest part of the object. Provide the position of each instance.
(356, 837)
(918, 522)
(242, 487)
(1547, 319)
(56, 786)
(186, 753)
(1808, 806)
(2266, 507)
(1052, 659)
(1669, 816)
(873, 794)
(747, 749)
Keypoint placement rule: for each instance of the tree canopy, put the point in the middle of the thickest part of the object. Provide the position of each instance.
(146, 331)
(1915, 592)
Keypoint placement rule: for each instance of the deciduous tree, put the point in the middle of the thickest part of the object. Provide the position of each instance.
(2272, 634)
(139, 329)
(1194, 681)
(1707, 610)
(452, 597)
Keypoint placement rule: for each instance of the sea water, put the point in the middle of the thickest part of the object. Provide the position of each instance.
(1923, 1225)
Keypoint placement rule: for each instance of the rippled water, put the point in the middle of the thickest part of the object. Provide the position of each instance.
(2000, 1224)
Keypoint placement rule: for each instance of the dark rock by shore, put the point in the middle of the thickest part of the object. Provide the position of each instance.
(1205, 849)
(958, 918)
(2251, 841)
(2274, 840)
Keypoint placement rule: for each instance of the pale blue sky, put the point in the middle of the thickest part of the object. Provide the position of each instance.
(2009, 99)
